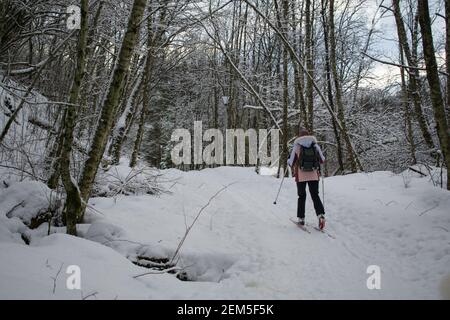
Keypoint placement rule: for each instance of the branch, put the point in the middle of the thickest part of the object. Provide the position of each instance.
(31, 86)
(195, 220)
(56, 278)
(49, 128)
(43, 125)
(6, 88)
(90, 295)
(158, 272)
(417, 171)
(387, 8)
(28, 70)
(240, 74)
(22, 170)
(429, 209)
(400, 65)
(307, 72)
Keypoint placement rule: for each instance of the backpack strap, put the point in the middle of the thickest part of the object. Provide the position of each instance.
(300, 156)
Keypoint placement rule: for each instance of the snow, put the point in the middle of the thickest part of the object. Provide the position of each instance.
(268, 171)
(243, 246)
(25, 200)
(29, 270)
(121, 179)
(11, 230)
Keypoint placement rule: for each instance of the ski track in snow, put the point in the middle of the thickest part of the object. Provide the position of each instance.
(244, 247)
(277, 260)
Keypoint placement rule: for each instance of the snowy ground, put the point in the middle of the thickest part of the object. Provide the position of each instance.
(242, 246)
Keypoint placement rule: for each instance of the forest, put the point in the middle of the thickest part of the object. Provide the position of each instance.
(91, 92)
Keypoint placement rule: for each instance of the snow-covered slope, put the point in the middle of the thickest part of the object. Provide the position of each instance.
(243, 246)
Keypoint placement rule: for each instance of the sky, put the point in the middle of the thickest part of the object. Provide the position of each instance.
(385, 42)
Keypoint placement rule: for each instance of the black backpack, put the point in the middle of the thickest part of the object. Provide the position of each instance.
(309, 158)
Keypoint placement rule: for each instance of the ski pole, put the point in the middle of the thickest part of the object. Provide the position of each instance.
(279, 189)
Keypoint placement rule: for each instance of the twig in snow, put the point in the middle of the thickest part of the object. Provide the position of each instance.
(408, 205)
(430, 172)
(435, 206)
(185, 217)
(93, 209)
(195, 220)
(123, 240)
(56, 278)
(90, 295)
(439, 227)
(158, 272)
(173, 184)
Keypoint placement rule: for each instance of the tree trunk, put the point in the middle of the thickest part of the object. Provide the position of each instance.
(139, 135)
(111, 102)
(434, 83)
(215, 76)
(294, 55)
(405, 103)
(145, 101)
(125, 121)
(413, 74)
(73, 200)
(337, 84)
(309, 66)
(285, 24)
(447, 56)
(153, 40)
(330, 88)
(55, 155)
(298, 77)
(56, 152)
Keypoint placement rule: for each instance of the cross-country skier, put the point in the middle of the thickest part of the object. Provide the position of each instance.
(305, 160)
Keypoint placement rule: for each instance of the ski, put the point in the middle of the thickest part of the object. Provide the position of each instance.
(300, 226)
(323, 231)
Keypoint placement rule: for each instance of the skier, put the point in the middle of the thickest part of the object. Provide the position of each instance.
(305, 160)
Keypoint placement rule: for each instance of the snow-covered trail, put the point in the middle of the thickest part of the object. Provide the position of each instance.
(242, 246)
(261, 254)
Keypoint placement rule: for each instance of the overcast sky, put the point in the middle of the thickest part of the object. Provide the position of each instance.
(386, 45)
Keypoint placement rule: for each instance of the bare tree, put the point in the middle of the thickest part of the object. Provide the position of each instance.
(73, 200)
(413, 74)
(109, 106)
(434, 83)
(329, 84)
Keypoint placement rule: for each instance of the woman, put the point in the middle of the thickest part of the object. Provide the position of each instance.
(305, 160)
